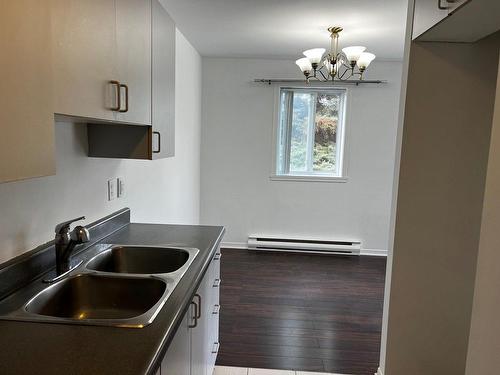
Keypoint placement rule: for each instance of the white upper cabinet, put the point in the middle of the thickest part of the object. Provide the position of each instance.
(84, 52)
(102, 59)
(146, 72)
(455, 20)
(427, 14)
(133, 40)
(26, 118)
(163, 71)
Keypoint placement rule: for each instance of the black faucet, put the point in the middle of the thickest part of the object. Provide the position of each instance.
(66, 241)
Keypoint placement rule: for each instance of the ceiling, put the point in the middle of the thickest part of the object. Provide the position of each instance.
(284, 28)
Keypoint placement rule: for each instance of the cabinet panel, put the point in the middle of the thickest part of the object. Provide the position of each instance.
(427, 14)
(163, 82)
(27, 120)
(202, 349)
(177, 359)
(200, 339)
(84, 54)
(462, 26)
(133, 40)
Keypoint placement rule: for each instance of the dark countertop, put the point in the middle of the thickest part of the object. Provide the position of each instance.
(42, 348)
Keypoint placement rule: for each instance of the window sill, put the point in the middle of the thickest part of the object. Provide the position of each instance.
(308, 178)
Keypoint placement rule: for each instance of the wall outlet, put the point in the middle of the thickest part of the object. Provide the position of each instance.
(120, 187)
(111, 189)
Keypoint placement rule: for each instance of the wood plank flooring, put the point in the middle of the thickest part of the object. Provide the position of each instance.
(301, 312)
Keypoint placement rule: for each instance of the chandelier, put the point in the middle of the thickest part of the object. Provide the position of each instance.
(350, 62)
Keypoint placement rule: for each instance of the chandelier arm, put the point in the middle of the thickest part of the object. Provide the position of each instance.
(322, 74)
(341, 76)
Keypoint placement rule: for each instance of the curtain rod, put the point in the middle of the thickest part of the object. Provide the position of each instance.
(329, 83)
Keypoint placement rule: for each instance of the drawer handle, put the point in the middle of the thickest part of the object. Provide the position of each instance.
(215, 348)
(159, 143)
(195, 317)
(217, 283)
(443, 7)
(116, 108)
(198, 313)
(126, 97)
(217, 256)
(216, 309)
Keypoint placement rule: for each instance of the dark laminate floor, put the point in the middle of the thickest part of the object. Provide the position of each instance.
(301, 312)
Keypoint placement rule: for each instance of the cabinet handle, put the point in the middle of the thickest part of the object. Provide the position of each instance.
(195, 317)
(442, 7)
(126, 97)
(216, 309)
(159, 143)
(116, 108)
(215, 348)
(198, 313)
(216, 283)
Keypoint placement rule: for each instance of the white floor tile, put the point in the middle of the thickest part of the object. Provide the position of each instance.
(261, 371)
(225, 370)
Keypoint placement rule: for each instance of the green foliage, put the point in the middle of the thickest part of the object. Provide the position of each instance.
(324, 157)
(325, 132)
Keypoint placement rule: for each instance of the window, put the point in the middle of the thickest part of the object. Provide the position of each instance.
(310, 132)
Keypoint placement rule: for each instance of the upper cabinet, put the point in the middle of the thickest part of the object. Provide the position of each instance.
(163, 69)
(455, 20)
(102, 59)
(26, 118)
(158, 140)
(84, 54)
(133, 41)
(427, 14)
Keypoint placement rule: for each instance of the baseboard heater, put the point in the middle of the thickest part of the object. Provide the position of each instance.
(271, 243)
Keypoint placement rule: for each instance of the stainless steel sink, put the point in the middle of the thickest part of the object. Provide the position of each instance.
(97, 297)
(116, 285)
(139, 260)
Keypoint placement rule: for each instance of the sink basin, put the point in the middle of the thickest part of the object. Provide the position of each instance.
(139, 260)
(88, 296)
(121, 286)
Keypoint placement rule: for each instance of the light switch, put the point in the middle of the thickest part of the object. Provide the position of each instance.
(111, 189)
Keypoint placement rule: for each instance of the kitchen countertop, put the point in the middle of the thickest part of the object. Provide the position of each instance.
(43, 348)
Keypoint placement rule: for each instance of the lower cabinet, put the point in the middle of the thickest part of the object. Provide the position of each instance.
(194, 349)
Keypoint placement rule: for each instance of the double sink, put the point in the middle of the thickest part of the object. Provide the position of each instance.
(123, 286)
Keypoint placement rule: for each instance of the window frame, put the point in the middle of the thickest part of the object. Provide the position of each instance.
(341, 139)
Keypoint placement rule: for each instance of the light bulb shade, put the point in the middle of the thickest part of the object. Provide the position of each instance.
(314, 55)
(365, 59)
(304, 64)
(353, 53)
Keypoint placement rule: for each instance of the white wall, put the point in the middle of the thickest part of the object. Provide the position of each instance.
(236, 158)
(163, 191)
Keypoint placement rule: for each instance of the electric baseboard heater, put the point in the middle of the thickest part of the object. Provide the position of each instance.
(272, 243)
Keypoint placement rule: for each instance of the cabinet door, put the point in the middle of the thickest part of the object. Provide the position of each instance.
(456, 4)
(163, 83)
(200, 340)
(133, 43)
(427, 14)
(84, 54)
(178, 357)
(26, 118)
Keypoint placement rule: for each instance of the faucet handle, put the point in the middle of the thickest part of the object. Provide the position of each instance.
(64, 226)
(80, 234)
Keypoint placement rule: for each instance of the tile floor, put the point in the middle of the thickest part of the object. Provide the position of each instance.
(225, 370)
